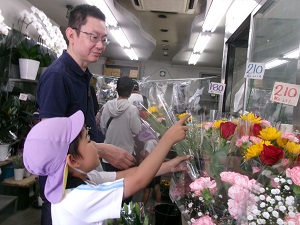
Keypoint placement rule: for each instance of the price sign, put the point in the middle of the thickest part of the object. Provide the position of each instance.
(255, 70)
(216, 88)
(285, 93)
(23, 97)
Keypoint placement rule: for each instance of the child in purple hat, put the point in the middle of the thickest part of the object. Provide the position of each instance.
(61, 149)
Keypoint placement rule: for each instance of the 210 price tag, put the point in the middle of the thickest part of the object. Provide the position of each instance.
(285, 93)
(216, 88)
(255, 70)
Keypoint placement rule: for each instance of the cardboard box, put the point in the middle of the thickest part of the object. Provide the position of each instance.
(133, 73)
(107, 71)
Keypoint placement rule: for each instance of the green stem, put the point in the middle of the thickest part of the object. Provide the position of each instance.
(250, 91)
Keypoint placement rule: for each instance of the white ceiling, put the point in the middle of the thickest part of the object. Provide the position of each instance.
(143, 31)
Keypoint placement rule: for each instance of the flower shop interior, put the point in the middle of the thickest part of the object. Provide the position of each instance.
(233, 65)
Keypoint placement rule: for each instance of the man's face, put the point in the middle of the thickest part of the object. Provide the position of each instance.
(85, 49)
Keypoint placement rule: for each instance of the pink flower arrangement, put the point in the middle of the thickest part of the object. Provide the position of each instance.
(203, 183)
(204, 220)
(294, 174)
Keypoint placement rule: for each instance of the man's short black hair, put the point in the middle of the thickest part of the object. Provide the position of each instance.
(135, 86)
(124, 86)
(78, 15)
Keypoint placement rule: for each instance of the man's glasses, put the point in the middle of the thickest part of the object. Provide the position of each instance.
(94, 38)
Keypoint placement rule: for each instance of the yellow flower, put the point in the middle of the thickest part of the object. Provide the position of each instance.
(153, 109)
(269, 134)
(281, 142)
(217, 123)
(254, 151)
(183, 115)
(250, 117)
(292, 147)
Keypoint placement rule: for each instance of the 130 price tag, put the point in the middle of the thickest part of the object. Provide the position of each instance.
(255, 70)
(285, 93)
(216, 88)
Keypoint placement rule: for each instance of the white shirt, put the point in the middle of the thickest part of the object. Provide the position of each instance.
(90, 204)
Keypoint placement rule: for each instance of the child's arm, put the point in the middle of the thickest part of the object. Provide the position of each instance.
(145, 172)
(173, 165)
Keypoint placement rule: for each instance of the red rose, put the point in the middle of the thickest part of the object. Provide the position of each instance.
(227, 129)
(256, 129)
(271, 155)
(144, 114)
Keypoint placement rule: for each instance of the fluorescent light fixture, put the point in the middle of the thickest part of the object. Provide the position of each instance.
(101, 4)
(273, 63)
(194, 58)
(131, 53)
(216, 12)
(237, 13)
(294, 54)
(202, 40)
(120, 37)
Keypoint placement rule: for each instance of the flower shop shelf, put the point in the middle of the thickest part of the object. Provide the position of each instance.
(19, 188)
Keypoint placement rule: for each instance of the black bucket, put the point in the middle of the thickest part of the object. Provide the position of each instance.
(167, 214)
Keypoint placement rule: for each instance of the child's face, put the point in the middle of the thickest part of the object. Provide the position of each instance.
(88, 151)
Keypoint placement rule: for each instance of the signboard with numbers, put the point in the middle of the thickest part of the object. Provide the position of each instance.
(255, 70)
(23, 97)
(216, 88)
(285, 93)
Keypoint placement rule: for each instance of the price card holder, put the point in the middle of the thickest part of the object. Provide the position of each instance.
(255, 70)
(285, 93)
(23, 97)
(216, 88)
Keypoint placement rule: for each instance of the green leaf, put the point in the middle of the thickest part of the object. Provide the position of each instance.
(296, 189)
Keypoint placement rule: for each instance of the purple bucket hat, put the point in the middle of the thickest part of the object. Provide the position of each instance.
(46, 148)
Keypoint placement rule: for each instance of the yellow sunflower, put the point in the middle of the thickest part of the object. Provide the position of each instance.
(254, 151)
(154, 111)
(183, 115)
(281, 142)
(250, 117)
(269, 134)
(292, 147)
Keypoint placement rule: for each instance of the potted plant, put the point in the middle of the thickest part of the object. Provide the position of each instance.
(18, 166)
(28, 63)
(15, 119)
(45, 61)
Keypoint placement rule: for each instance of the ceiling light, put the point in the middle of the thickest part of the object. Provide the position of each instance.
(110, 19)
(215, 13)
(273, 63)
(202, 41)
(194, 58)
(294, 54)
(120, 37)
(131, 53)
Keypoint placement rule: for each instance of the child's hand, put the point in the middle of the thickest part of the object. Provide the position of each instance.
(178, 163)
(177, 132)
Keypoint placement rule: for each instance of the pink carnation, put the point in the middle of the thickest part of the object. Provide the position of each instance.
(295, 219)
(204, 220)
(294, 174)
(255, 169)
(266, 123)
(242, 140)
(238, 179)
(255, 140)
(203, 183)
(160, 119)
(208, 125)
(290, 136)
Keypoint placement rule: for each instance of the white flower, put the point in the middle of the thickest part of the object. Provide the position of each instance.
(290, 200)
(262, 205)
(286, 187)
(262, 190)
(278, 198)
(266, 215)
(250, 217)
(282, 208)
(200, 213)
(292, 214)
(262, 197)
(270, 209)
(42, 15)
(280, 221)
(289, 181)
(275, 214)
(276, 179)
(31, 17)
(34, 9)
(190, 205)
